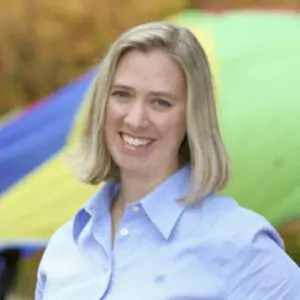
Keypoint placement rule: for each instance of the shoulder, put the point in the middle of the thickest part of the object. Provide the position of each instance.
(243, 226)
(64, 239)
(63, 235)
(67, 234)
(222, 222)
(60, 242)
(257, 266)
(253, 258)
(239, 224)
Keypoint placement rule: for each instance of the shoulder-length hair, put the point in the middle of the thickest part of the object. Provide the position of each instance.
(202, 147)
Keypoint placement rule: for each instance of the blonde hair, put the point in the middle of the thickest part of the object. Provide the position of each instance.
(203, 147)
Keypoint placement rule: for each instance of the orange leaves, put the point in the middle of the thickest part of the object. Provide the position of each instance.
(47, 43)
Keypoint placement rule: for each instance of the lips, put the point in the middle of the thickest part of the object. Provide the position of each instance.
(136, 141)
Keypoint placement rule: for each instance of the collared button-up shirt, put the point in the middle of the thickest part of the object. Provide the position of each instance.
(163, 250)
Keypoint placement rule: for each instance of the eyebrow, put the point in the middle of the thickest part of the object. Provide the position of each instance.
(164, 95)
(153, 93)
(121, 86)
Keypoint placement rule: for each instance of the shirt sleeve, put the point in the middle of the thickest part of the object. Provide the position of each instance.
(262, 270)
(40, 284)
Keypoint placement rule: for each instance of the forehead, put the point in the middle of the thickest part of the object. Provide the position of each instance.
(155, 69)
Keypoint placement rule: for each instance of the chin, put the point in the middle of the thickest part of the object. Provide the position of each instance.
(133, 166)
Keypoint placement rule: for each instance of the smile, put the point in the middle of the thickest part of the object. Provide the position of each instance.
(134, 141)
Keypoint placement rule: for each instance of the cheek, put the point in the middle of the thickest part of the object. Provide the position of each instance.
(113, 116)
(173, 129)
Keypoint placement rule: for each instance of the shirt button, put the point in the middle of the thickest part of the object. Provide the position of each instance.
(124, 231)
(135, 208)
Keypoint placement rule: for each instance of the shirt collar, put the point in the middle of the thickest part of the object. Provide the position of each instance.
(98, 206)
(161, 205)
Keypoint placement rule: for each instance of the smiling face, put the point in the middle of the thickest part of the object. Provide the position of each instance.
(145, 120)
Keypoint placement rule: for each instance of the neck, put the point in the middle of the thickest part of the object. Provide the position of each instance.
(134, 187)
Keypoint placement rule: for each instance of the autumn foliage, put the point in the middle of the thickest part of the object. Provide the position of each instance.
(47, 43)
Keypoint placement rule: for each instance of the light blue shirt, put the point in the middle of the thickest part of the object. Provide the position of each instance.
(163, 250)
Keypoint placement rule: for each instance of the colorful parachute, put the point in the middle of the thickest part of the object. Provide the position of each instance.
(256, 64)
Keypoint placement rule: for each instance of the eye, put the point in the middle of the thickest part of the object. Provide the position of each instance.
(120, 94)
(162, 103)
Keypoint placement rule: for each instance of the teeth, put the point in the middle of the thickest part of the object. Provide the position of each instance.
(134, 141)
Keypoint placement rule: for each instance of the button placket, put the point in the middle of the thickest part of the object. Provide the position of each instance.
(124, 231)
(123, 241)
(125, 236)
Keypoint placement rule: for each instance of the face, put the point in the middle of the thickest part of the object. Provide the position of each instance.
(145, 120)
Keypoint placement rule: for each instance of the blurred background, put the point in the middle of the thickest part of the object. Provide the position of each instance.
(48, 53)
(46, 44)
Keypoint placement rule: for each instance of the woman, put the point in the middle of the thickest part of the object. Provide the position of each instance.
(158, 229)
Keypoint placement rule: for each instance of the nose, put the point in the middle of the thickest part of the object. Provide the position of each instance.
(137, 116)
